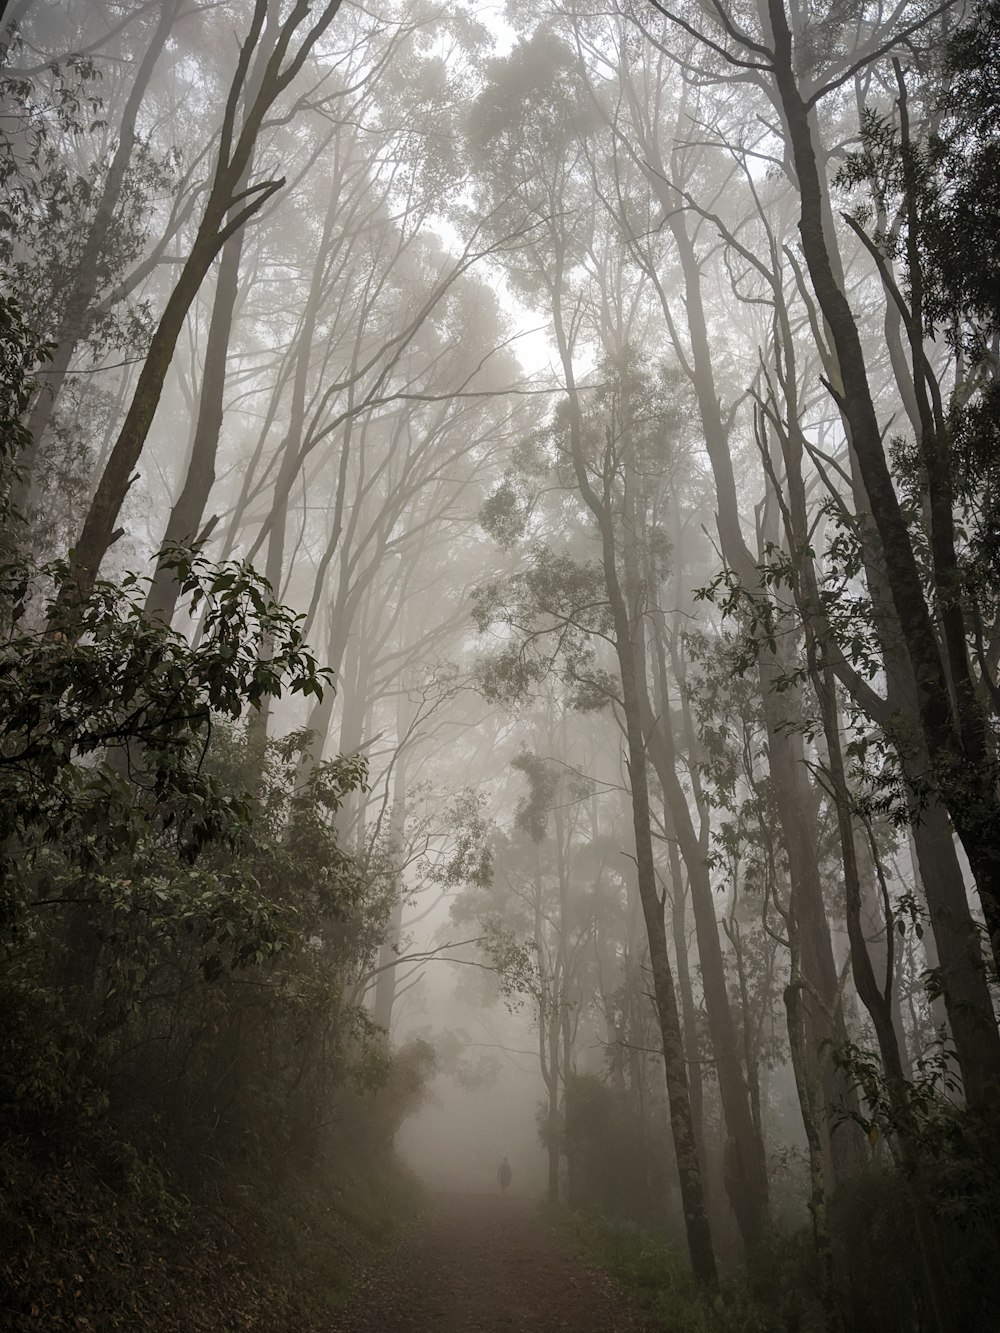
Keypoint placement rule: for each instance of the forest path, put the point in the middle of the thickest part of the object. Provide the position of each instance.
(477, 1263)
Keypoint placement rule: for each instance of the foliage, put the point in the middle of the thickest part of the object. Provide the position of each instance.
(112, 1236)
(180, 927)
(22, 352)
(532, 813)
(879, 1254)
(957, 1182)
(655, 1273)
(504, 515)
(469, 860)
(50, 201)
(180, 920)
(959, 232)
(107, 706)
(511, 960)
(758, 622)
(935, 204)
(617, 1164)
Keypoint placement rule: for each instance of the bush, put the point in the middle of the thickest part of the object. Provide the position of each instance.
(198, 1118)
(614, 1164)
(660, 1279)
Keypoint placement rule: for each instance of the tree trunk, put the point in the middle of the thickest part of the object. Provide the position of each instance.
(963, 978)
(626, 632)
(809, 1100)
(626, 635)
(186, 516)
(689, 1015)
(879, 1003)
(385, 985)
(746, 1180)
(961, 768)
(821, 1008)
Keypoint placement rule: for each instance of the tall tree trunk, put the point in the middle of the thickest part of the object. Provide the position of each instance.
(746, 1180)
(682, 1123)
(878, 1002)
(689, 1015)
(548, 1038)
(186, 516)
(963, 978)
(961, 767)
(626, 633)
(810, 1103)
(385, 985)
(820, 1005)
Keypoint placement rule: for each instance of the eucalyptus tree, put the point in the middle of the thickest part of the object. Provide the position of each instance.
(723, 710)
(529, 152)
(829, 629)
(655, 172)
(360, 179)
(534, 892)
(88, 174)
(391, 582)
(283, 46)
(411, 485)
(930, 620)
(635, 418)
(764, 267)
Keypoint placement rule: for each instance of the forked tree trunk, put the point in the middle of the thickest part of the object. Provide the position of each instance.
(820, 1006)
(879, 1006)
(385, 985)
(963, 977)
(689, 1017)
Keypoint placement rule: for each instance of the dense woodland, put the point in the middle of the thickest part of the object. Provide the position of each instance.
(518, 487)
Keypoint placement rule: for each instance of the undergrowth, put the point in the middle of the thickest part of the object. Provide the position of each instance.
(110, 1239)
(659, 1279)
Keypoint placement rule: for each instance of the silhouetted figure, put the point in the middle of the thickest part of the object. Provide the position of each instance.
(504, 1175)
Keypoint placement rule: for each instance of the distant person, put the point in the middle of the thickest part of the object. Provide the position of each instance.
(504, 1176)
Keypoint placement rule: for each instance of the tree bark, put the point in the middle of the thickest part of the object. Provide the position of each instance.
(689, 1015)
(963, 978)
(821, 1006)
(385, 985)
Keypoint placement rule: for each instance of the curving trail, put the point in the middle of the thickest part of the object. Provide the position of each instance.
(477, 1263)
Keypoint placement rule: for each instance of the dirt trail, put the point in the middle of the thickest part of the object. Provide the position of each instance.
(477, 1263)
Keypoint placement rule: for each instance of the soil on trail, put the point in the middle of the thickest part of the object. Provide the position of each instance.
(477, 1263)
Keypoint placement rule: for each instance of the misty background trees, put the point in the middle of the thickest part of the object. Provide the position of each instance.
(512, 493)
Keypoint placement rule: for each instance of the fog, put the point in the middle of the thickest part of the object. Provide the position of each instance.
(501, 607)
(457, 1139)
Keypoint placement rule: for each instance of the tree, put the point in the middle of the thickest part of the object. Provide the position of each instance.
(229, 207)
(951, 715)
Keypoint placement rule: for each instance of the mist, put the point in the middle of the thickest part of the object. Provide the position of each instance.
(499, 700)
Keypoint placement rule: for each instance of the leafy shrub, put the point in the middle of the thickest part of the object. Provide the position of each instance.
(181, 1068)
